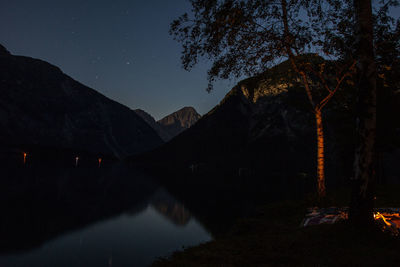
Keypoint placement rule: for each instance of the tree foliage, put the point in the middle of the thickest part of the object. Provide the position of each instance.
(244, 37)
(247, 37)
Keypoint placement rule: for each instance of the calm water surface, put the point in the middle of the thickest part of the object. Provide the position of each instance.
(91, 217)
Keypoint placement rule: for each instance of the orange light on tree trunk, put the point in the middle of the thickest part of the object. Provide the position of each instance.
(320, 155)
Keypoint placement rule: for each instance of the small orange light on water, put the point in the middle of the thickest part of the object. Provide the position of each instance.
(25, 154)
(100, 161)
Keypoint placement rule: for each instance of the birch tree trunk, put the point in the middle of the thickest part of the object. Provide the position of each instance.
(320, 155)
(361, 206)
(317, 109)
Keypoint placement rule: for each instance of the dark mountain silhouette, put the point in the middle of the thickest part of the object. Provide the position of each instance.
(173, 124)
(254, 126)
(165, 136)
(40, 105)
(264, 125)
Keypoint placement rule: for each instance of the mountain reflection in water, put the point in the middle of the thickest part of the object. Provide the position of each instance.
(164, 203)
(112, 216)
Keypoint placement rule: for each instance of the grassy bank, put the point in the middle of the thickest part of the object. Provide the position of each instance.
(273, 236)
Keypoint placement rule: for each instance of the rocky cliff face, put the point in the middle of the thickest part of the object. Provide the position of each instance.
(40, 105)
(179, 121)
(173, 124)
(183, 118)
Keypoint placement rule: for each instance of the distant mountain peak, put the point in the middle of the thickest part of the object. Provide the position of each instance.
(185, 118)
(187, 109)
(173, 124)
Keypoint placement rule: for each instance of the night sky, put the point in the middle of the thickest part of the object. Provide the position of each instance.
(120, 48)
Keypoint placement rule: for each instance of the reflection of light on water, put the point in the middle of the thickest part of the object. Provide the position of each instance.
(76, 161)
(164, 203)
(174, 212)
(25, 154)
(99, 161)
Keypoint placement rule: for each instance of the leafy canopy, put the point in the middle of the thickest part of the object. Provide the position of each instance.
(246, 37)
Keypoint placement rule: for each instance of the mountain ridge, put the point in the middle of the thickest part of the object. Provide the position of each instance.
(265, 125)
(262, 125)
(173, 124)
(43, 106)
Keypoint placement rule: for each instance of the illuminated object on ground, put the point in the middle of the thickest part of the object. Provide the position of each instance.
(389, 222)
(380, 216)
(388, 219)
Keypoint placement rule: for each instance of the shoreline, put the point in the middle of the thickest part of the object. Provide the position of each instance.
(273, 236)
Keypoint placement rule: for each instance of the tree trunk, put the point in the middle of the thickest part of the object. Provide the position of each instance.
(361, 206)
(320, 155)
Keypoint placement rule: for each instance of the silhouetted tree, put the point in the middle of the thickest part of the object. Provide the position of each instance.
(372, 37)
(361, 209)
(247, 37)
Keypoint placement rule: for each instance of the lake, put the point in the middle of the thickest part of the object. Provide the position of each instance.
(111, 216)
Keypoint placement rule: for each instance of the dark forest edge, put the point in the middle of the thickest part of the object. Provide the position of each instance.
(273, 235)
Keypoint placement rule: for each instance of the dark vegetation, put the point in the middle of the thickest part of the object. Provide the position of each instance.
(265, 134)
(257, 146)
(245, 37)
(272, 236)
(232, 204)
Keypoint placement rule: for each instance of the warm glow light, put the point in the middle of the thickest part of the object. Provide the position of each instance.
(25, 154)
(378, 216)
(389, 221)
(100, 161)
